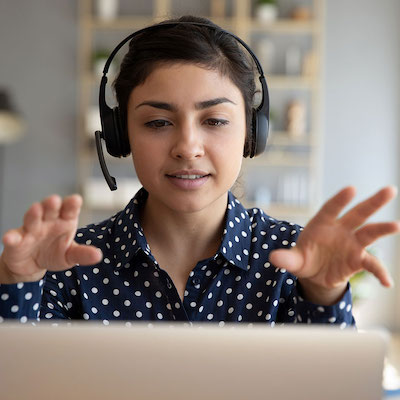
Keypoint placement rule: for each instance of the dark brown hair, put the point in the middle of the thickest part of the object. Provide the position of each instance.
(200, 45)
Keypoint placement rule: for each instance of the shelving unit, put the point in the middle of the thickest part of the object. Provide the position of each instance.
(287, 156)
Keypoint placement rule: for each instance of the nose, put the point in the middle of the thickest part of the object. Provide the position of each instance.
(188, 143)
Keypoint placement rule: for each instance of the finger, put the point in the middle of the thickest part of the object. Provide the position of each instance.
(362, 211)
(51, 207)
(332, 208)
(12, 238)
(292, 260)
(33, 218)
(371, 232)
(83, 255)
(71, 207)
(373, 265)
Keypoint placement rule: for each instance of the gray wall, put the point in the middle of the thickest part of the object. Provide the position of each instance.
(362, 121)
(38, 63)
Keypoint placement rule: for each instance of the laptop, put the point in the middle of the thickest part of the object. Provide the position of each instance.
(89, 361)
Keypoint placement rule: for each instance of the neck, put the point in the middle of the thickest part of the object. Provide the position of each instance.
(184, 235)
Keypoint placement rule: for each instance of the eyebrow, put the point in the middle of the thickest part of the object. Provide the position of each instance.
(198, 106)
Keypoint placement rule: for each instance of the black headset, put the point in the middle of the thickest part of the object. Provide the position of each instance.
(117, 142)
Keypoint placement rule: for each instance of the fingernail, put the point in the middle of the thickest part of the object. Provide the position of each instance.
(395, 189)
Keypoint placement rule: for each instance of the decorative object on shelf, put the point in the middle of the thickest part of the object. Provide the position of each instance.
(301, 13)
(296, 119)
(107, 10)
(266, 10)
(293, 60)
(310, 64)
(266, 54)
(12, 125)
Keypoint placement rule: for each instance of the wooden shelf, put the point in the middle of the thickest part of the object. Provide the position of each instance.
(282, 26)
(292, 82)
(278, 158)
(278, 210)
(286, 26)
(121, 23)
(284, 139)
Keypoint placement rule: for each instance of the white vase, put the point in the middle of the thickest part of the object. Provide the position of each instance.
(107, 9)
(267, 12)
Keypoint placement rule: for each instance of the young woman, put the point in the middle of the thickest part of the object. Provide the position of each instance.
(184, 249)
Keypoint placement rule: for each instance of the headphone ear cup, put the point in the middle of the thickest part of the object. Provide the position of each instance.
(251, 139)
(121, 133)
(261, 132)
(114, 134)
(108, 130)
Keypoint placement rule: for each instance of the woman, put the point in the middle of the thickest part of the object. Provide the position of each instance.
(184, 248)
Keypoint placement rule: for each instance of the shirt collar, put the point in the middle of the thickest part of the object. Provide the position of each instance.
(236, 240)
(235, 245)
(127, 224)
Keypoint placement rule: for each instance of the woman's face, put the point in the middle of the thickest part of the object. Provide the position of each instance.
(187, 130)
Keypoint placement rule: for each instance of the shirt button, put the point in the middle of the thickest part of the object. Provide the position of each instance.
(196, 281)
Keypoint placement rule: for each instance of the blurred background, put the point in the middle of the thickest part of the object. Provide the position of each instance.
(333, 72)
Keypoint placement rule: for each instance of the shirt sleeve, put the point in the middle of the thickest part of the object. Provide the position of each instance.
(57, 300)
(34, 301)
(21, 301)
(295, 309)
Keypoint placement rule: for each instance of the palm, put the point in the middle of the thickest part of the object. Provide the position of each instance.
(331, 253)
(46, 239)
(331, 249)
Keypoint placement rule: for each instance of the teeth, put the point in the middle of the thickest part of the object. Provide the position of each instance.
(189, 176)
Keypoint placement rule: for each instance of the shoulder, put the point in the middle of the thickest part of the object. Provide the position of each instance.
(266, 232)
(121, 227)
(269, 232)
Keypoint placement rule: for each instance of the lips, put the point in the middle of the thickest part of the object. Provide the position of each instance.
(188, 179)
(188, 176)
(192, 174)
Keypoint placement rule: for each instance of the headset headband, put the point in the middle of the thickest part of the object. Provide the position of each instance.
(263, 106)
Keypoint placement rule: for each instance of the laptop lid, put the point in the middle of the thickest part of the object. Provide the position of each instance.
(89, 361)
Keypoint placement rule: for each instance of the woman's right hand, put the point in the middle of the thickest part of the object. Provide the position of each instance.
(45, 241)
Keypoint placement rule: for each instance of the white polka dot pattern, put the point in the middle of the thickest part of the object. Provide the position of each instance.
(238, 284)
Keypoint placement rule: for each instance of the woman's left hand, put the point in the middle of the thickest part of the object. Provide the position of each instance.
(331, 249)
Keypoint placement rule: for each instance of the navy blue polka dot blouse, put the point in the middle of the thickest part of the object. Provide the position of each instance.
(237, 284)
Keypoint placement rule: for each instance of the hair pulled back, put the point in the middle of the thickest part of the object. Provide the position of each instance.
(185, 43)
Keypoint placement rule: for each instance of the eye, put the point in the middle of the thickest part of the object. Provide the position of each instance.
(216, 122)
(157, 123)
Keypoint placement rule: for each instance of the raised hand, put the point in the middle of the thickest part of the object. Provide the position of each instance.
(331, 249)
(45, 241)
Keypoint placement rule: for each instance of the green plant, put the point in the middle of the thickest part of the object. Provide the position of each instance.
(100, 54)
(358, 282)
(272, 2)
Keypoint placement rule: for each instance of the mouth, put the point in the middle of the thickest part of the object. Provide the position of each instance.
(190, 177)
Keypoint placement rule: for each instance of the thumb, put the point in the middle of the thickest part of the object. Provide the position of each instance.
(292, 260)
(83, 254)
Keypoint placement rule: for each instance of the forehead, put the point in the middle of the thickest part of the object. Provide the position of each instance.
(185, 82)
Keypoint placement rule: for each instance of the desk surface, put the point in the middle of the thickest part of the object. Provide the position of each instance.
(392, 369)
(394, 351)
